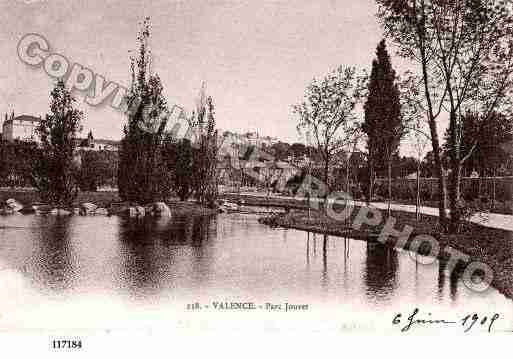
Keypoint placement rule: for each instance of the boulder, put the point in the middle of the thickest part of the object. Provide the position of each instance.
(13, 205)
(131, 212)
(160, 209)
(118, 208)
(27, 210)
(101, 212)
(87, 208)
(41, 208)
(149, 210)
(140, 211)
(6, 211)
(59, 212)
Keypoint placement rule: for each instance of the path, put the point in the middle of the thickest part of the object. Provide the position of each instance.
(491, 220)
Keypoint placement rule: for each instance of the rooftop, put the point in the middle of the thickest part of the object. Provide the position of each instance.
(105, 142)
(24, 118)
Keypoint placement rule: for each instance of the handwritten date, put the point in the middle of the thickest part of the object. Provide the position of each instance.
(467, 323)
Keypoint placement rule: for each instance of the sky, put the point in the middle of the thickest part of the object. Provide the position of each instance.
(256, 57)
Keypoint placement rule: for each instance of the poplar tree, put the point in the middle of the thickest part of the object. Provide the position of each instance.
(141, 176)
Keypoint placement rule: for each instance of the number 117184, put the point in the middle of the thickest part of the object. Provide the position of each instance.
(66, 344)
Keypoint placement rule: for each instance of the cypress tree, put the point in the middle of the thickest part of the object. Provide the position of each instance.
(383, 122)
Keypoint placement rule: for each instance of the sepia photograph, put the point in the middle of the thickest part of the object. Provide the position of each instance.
(172, 170)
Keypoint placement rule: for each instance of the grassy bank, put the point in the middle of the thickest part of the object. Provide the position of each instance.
(491, 246)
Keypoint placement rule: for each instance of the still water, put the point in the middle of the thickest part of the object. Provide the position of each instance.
(98, 272)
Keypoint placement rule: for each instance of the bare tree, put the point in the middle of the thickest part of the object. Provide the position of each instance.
(464, 49)
(328, 113)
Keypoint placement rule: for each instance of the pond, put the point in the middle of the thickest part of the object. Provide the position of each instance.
(109, 272)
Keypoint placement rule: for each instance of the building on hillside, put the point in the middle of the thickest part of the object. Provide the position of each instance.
(97, 144)
(20, 128)
(105, 145)
(248, 139)
(412, 176)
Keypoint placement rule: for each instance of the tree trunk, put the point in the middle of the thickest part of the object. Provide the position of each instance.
(240, 181)
(347, 178)
(389, 184)
(442, 204)
(417, 202)
(348, 189)
(455, 175)
(371, 182)
(442, 201)
(326, 175)
(326, 178)
(493, 188)
(453, 200)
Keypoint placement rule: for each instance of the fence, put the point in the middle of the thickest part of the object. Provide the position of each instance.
(492, 189)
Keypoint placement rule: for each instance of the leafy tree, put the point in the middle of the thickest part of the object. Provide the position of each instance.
(97, 169)
(298, 151)
(489, 139)
(16, 162)
(55, 168)
(383, 121)
(280, 150)
(178, 158)
(403, 166)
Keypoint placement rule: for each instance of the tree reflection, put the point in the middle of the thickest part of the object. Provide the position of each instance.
(380, 273)
(312, 245)
(139, 259)
(307, 250)
(204, 228)
(454, 278)
(53, 259)
(155, 254)
(325, 259)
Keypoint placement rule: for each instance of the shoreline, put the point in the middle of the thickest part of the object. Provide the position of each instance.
(491, 246)
(106, 199)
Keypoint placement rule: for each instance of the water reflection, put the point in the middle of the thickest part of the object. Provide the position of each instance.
(380, 275)
(53, 261)
(209, 257)
(346, 261)
(307, 250)
(325, 260)
(454, 278)
(311, 253)
(153, 250)
(139, 257)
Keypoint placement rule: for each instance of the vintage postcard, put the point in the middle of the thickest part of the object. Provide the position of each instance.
(172, 170)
